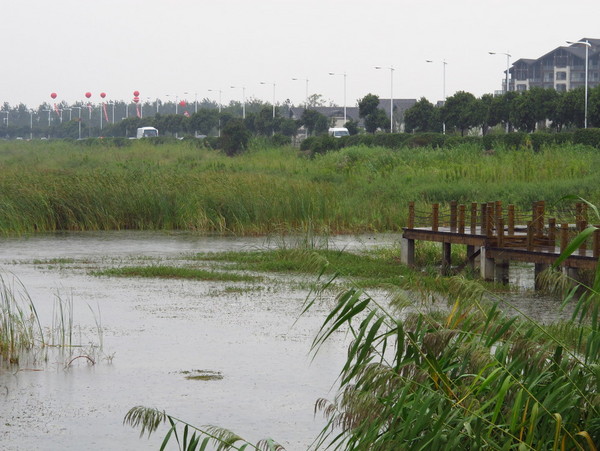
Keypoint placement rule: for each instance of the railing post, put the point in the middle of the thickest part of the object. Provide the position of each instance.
(552, 232)
(511, 220)
(500, 229)
(541, 210)
(530, 234)
(435, 217)
(473, 218)
(564, 236)
(461, 218)
(411, 215)
(453, 216)
(490, 223)
(483, 225)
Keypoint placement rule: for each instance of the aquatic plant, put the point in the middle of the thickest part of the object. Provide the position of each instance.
(149, 419)
(19, 322)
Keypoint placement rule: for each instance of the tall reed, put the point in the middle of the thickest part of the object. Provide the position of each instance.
(64, 186)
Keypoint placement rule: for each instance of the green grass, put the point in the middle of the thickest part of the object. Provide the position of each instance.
(174, 272)
(59, 185)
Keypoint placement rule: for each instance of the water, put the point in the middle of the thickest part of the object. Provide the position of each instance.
(154, 333)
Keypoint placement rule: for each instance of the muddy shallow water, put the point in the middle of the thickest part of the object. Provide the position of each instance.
(156, 333)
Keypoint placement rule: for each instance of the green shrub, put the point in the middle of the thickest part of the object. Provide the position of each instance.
(587, 136)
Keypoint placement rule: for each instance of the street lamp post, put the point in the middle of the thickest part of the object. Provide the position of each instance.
(587, 49)
(243, 99)
(508, 55)
(264, 83)
(195, 101)
(220, 92)
(344, 74)
(506, 85)
(444, 64)
(176, 102)
(78, 108)
(391, 68)
(306, 80)
(30, 125)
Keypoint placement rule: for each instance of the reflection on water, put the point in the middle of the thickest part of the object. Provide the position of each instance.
(157, 331)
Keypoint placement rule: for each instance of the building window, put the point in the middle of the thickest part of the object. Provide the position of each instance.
(521, 87)
(561, 87)
(549, 76)
(561, 75)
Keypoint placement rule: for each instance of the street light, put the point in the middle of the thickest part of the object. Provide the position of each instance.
(587, 48)
(306, 80)
(31, 124)
(195, 101)
(508, 55)
(506, 86)
(444, 64)
(176, 101)
(79, 117)
(220, 92)
(243, 99)
(391, 68)
(344, 74)
(265, 83)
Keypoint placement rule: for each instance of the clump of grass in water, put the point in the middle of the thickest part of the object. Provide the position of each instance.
(174, 272)
(19, 322)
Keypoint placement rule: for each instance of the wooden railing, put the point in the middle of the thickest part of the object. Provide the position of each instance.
(510, 227)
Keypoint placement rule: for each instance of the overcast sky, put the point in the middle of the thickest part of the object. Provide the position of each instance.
(162, 47)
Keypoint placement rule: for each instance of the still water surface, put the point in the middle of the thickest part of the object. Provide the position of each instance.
(154, 331)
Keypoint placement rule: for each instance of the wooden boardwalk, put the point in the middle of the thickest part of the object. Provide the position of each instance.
(496, 237)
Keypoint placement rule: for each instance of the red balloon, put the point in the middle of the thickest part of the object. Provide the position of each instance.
(88, 94)
(136, 99)
(136, 93)
(53, 95)
(182, 103)
(102, 94)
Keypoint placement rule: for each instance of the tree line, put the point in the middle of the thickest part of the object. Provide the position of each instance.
(522, 111)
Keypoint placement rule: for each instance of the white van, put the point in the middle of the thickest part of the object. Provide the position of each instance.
(146, 132)
(338, 132)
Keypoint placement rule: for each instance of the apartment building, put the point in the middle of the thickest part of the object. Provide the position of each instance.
(562, 69)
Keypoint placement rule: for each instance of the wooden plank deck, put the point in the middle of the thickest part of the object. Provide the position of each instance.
(497, 240)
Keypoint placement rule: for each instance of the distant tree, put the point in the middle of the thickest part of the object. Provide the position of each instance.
(204, 121)
(315, 122)
(422, 117)
(569, 110)
(234, 137)
(462, 111)
(500, 108)
(288, 127)
(373, 116)
(352, 127)
(594, 107)
(533, 106)
(315, 100)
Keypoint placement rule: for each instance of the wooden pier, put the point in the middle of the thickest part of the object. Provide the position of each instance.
(496, 236)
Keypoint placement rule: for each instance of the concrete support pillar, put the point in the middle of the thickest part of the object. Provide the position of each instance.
(486, 266)
(501, 268)
(538, 268)
(446, 258)
(407, 252)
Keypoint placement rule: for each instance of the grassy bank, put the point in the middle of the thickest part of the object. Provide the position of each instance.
(48, 186)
